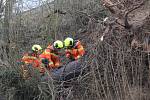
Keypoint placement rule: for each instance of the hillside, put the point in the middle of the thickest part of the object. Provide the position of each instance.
(114, 33)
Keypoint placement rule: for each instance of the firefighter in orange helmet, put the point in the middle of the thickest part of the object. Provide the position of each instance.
(51, 55)
(74, 49)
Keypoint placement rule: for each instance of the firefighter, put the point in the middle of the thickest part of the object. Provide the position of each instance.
(32, 57)
(74, 49)
(50, 56)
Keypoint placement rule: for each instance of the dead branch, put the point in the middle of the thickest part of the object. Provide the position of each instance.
(1, 8)
(113, 9)
(110, 6)
(1, 4)
(126, 23)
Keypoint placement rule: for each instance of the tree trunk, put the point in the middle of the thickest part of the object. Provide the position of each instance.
(5, 35)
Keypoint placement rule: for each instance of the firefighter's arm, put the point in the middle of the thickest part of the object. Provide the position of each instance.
(68, 54)
(74, 51)
(81, 50)
(28, 58)
(51, 65)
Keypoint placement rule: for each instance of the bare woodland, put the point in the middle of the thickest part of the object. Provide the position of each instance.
(116, 37)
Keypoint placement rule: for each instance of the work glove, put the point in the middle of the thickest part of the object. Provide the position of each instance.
(68, 55)
(45, 62)
(78, 57)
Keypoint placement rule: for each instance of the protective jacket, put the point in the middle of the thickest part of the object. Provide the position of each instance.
(33, 59)
(76, 51)
(51, 54)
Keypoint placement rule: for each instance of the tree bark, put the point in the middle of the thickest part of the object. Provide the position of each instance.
(5, 34)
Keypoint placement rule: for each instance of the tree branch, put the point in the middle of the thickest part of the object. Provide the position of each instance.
(126, 23)
(110, 6)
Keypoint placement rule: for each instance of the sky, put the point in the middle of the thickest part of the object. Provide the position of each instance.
(29, 4)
